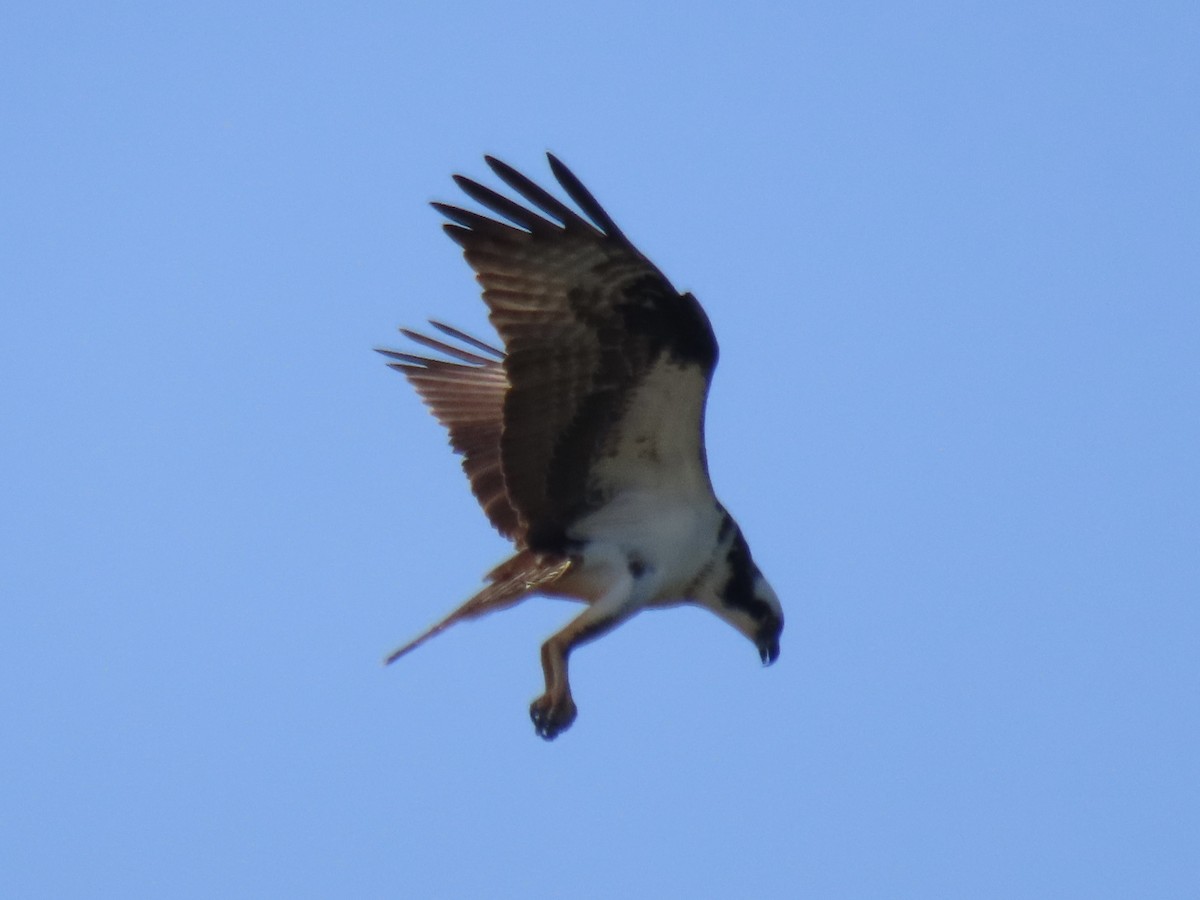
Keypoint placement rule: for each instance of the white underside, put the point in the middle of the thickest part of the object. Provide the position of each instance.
(670, 541)
(657, 536)
(657, 446)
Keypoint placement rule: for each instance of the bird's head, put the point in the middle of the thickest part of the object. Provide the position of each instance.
(770, 625)
(744, 599)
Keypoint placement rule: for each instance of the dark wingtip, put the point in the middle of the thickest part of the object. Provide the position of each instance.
(475, 342)
(501, 168)
(406, 358)
(584, 198)
(457, 233)
(556, 164)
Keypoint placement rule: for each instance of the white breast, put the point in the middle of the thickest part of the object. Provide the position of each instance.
(670, 539)
(658, 444)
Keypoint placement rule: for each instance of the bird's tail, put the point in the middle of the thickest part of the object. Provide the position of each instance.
(512, 581)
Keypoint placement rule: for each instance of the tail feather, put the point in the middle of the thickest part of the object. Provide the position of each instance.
(512, 581)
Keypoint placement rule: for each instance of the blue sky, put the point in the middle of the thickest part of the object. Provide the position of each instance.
(950, 252)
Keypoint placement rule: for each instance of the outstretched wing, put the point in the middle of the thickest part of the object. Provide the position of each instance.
(607, 364)
(466, 394)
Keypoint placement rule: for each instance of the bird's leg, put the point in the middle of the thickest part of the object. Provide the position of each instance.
(554, 711)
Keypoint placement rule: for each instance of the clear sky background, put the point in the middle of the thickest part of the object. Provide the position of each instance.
(952, 254)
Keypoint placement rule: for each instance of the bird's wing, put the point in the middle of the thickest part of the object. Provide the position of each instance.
(466, 394)
(608, 365)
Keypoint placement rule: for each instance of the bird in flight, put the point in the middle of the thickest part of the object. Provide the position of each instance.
(583, 435)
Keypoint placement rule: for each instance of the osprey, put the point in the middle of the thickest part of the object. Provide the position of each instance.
(583, 438)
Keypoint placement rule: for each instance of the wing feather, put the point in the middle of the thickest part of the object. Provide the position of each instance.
(585, 318)
(467, 396)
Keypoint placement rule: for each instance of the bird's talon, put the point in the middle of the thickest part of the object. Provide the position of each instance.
(552, 715)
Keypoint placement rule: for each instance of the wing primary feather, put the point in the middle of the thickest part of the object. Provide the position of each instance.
(539, 197)
(498, 203)
(443, 347)
(581, 195)
(477, 223)
(407, 358)
(458, 234)
(467, 339)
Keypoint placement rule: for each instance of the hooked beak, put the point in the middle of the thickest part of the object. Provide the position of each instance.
(768, 649)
